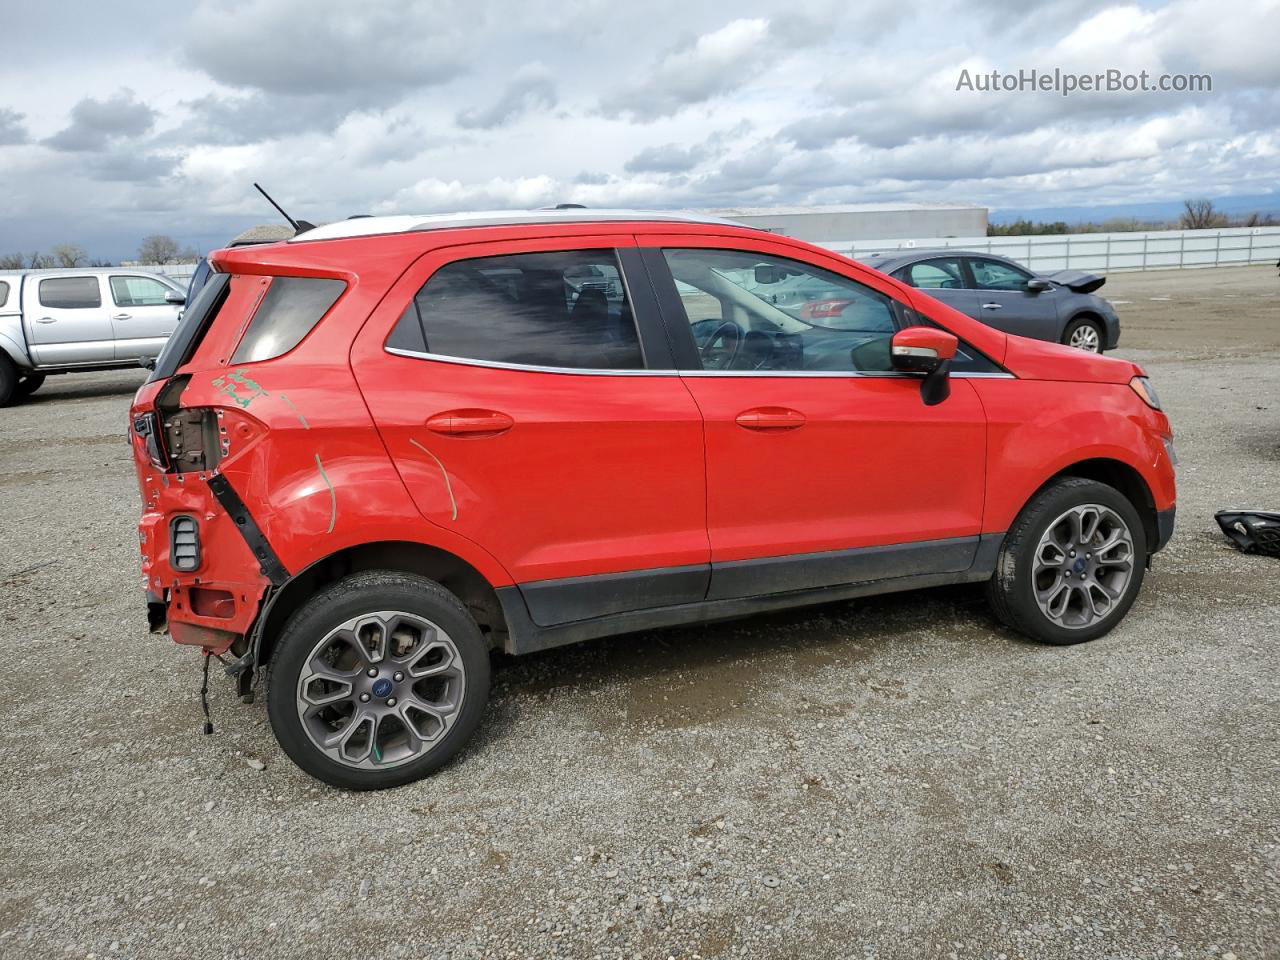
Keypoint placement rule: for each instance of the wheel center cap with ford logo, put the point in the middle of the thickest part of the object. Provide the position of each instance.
(1078, 567)
(382, 687)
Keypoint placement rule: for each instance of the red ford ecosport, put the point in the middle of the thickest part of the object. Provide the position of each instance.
(374, 452)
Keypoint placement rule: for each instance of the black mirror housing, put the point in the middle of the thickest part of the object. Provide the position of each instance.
(936, 386)
(175, 297)
(1038, 285)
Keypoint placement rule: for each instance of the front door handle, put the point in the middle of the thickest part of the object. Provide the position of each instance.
(770, 419)
(470, 423)
(121, 316)
(47, 320)
(993, 306)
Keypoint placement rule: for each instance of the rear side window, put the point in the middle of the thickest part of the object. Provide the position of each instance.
(564, 309)
(4, 293)
(138, 292)
(289, 311)
(70, 293)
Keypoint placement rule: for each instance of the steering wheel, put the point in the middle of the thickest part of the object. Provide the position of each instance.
(716, 353)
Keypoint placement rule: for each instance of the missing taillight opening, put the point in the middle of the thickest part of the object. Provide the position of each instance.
(191, 439)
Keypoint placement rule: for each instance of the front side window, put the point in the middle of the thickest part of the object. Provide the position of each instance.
(564, 309)
(994, 275)
(138, 292)
(70, 293)
(941, 274)
(749, 311)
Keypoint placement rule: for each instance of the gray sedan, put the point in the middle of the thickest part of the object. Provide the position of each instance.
(1003, 294)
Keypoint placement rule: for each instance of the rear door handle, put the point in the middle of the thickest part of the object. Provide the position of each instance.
(47, 320)
(993, 306)
(121, 316)
(470, 422)
(770, 419)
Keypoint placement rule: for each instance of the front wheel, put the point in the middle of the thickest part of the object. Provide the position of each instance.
(1072, 563)
(377, 681)
(29, 384)
(1083, 334)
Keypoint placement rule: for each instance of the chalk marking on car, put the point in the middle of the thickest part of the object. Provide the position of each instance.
(333, 496)
(443, 472)
(297, 412)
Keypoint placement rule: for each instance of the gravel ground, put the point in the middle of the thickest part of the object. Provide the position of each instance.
(896, 777)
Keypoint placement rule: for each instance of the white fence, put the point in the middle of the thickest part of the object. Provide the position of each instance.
(1103, 252)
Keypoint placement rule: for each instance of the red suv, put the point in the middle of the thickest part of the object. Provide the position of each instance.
(373, 453)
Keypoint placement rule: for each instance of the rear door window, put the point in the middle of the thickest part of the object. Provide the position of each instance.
(70, 293)
(289, 311)
(4, 293)
(564, 309)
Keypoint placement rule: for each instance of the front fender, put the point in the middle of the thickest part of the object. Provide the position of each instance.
(1037, 430)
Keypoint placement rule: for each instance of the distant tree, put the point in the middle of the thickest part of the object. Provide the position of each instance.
(99, 263)
(70, 255)
(1200, 215)
(12, 261)
(158, 248)
(39, 261)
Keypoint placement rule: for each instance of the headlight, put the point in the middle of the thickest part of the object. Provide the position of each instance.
(1143, 388)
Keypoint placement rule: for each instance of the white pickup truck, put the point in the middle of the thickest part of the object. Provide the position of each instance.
(62, 321)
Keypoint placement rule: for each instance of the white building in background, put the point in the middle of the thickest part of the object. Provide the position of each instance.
(863, 221)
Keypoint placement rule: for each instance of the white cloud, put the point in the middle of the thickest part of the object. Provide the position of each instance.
(444, 104)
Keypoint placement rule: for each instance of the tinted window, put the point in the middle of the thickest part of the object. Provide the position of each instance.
(753, 312)
(289, 311)
(4, 293)
(562, 309)
(994, 275)
(940, 274)
(70, 293)
(138, 292)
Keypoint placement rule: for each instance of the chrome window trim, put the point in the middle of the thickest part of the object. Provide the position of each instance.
(527, 367)
(598, 372)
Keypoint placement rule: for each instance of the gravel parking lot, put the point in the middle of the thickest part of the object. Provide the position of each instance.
(896, 777)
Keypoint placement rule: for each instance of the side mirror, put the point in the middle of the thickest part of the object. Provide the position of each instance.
(767, 273)
(1036, 285)
(929, 351)
(175, 297)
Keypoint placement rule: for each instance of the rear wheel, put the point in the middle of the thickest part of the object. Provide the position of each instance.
(377, 681)
(1084, 334)
(8, 381)
(1072, 563)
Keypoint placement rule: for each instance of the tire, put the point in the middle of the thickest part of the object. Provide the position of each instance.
(29, 384)
(8, 381)
(1025, 591)
(445, 669)
(1085, 334)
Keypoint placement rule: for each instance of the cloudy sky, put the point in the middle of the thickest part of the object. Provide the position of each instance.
(125, 118)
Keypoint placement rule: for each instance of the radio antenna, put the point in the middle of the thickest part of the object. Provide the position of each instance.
(292, 222)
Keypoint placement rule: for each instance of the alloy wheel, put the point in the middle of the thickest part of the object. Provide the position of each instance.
(380, 690)
(1083, 565)
(1085, 337)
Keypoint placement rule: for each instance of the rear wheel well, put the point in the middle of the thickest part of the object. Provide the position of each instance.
(451, 572)
(1124, 478)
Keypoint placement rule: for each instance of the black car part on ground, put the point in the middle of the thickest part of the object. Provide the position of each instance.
(1251, 531)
